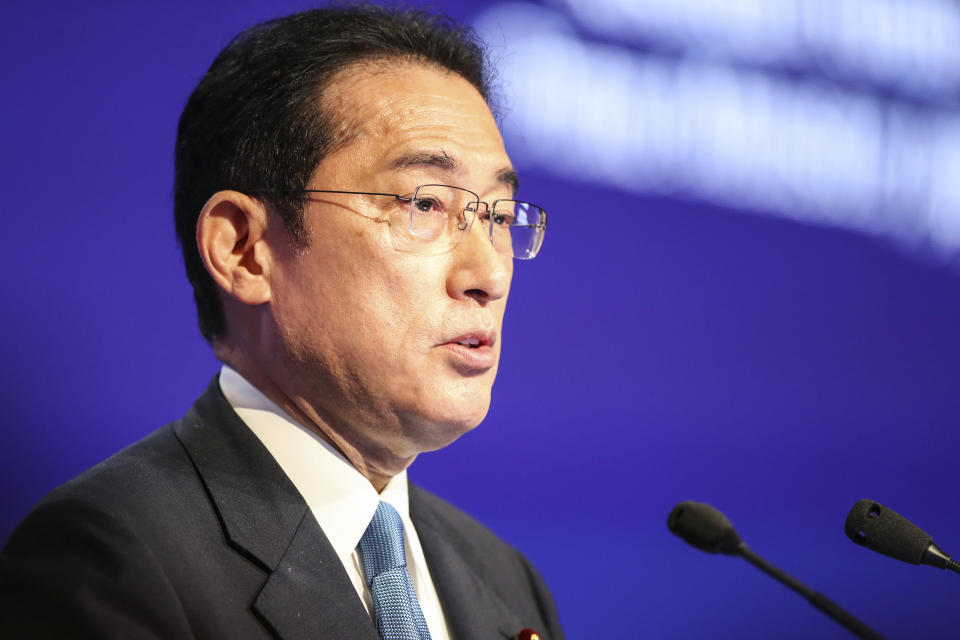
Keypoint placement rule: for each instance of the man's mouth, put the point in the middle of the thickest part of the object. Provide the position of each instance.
(474, 340)
(473, 352)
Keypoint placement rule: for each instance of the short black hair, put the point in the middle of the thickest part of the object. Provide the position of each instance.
(257, 119)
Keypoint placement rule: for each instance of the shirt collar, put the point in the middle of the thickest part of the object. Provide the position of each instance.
(342, 500)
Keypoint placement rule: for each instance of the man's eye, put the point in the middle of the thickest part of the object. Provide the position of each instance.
(427, 205)
(501, 219)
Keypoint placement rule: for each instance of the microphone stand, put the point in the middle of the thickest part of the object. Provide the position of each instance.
(820, 601)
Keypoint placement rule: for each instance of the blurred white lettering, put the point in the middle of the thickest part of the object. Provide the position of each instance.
(807, 148)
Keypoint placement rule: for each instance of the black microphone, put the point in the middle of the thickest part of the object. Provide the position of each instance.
(706, 528)
(872, 525)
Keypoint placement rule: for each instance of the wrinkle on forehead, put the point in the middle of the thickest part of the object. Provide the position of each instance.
(387, 109)
(405, 116)
(398, 108)
(383, 109)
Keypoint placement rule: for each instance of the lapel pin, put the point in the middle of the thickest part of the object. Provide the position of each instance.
(528, 634)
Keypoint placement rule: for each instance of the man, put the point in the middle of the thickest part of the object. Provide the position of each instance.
(347, 217)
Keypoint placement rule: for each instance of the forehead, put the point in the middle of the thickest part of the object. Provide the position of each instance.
(406, 117)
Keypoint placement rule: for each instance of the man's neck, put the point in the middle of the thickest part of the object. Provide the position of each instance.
(377, 470)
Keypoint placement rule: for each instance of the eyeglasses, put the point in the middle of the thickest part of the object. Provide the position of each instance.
(437, 216)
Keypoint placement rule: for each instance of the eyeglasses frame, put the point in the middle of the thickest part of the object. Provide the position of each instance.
(541, 227)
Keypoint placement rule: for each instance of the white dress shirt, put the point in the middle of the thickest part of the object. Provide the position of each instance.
(341, 498)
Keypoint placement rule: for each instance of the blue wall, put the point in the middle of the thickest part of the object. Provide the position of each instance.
(666, 349)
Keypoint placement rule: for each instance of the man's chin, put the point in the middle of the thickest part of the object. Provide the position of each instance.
(443, 428)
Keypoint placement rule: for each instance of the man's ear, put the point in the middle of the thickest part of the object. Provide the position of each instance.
(231, 238)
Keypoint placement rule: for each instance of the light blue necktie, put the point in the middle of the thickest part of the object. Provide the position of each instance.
(395, 603)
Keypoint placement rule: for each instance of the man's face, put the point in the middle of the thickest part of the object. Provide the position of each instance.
(369, 333)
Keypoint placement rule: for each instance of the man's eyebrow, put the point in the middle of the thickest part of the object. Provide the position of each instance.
(440, 160)
(509, 177)
(445, 162)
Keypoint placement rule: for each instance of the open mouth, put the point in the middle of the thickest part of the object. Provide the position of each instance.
(473, 352)
(477, 340)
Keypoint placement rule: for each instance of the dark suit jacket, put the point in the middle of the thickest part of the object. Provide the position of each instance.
(196, 532)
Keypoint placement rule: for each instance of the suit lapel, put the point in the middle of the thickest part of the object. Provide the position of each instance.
(471, 609)
(266, 519)
(309, 596)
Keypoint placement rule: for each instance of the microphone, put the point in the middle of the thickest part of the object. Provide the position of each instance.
(871, 525)
(707, 529)
(704, 527)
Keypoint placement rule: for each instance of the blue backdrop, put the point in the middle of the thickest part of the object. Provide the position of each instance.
(664, 346)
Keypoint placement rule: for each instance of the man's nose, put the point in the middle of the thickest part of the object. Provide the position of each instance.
(479, 270)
